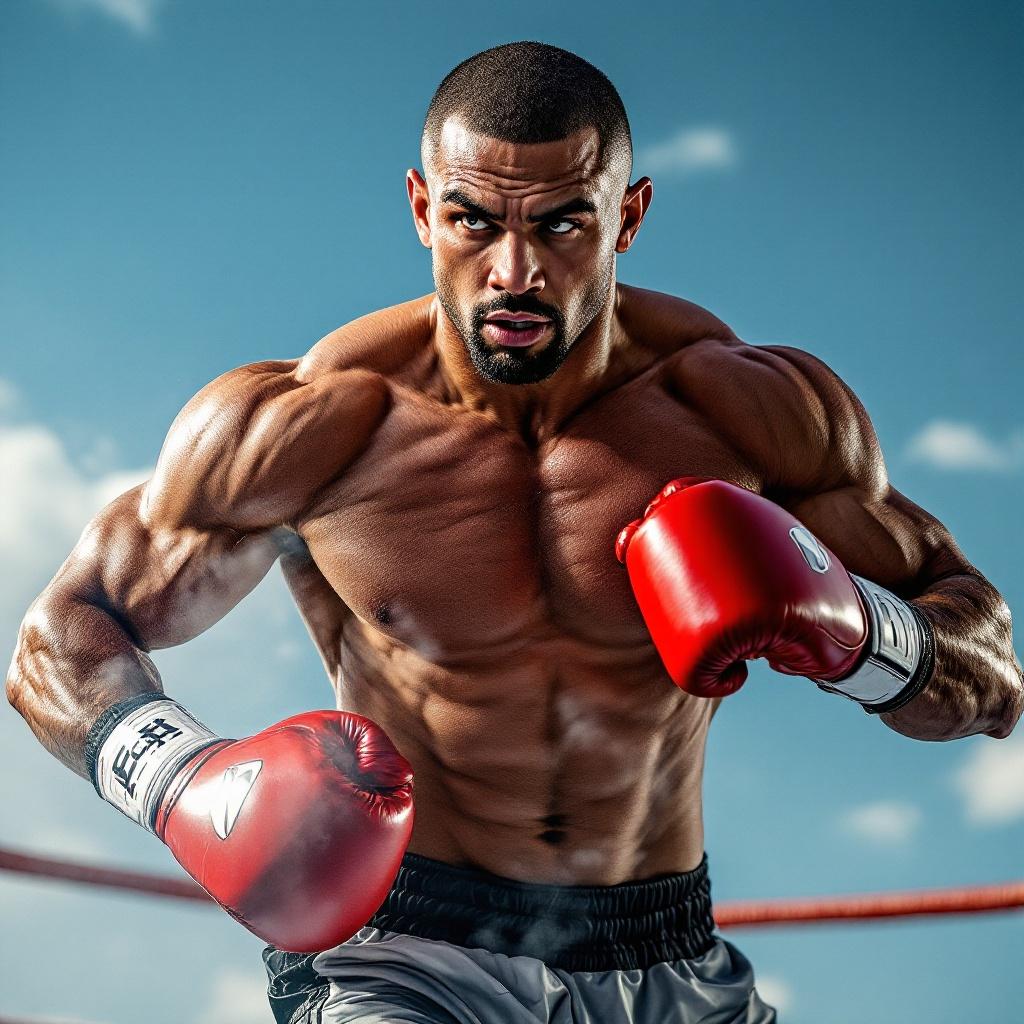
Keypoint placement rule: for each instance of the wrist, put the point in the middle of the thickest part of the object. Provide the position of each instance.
(898, 656)
(136, 749)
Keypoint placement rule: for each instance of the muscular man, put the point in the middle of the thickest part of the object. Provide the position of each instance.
(443, 483)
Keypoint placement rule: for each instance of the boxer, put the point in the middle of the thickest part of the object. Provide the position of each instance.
(449, 486)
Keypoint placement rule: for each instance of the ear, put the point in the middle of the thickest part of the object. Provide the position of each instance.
(419, 201)
(634, 208)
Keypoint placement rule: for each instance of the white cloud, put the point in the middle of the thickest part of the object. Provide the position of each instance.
(237, 997)
(690, 149)
(137, 15)
(775, 992)
(948, 444)
(52, 501)
(886, 822)
(991, 781)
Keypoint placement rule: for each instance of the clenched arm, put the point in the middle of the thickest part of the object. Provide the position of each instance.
(166, 560)
(130, 586)
(832, 477)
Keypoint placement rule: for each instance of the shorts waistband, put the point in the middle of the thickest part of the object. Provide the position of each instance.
(575, 928)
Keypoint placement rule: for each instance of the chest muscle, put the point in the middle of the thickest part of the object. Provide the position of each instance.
(452, 536)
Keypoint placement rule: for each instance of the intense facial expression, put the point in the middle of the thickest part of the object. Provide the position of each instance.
(523, 240)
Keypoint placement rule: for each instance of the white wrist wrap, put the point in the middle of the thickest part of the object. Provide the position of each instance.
(898, 650)
(143, 752)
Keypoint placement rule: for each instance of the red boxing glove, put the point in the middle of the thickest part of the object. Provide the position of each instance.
(723, 575)
(298, 831)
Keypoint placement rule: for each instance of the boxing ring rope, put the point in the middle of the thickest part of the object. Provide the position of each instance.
(977, 899)
(112, 878)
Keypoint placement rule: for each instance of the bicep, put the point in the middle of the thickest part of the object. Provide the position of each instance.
(242, 460)
(882, 536)
(827, 469)
(163, 584)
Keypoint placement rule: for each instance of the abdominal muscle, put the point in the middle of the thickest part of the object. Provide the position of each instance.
(558, 763)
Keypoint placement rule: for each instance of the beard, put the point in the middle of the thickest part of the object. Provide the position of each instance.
(511, 365)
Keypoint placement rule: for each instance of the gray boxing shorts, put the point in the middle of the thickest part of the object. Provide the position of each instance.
(461, 945)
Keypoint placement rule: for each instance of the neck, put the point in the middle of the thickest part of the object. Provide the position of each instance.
(534, 411)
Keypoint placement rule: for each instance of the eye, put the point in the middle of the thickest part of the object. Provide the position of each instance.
(478, 224)
(562, 227)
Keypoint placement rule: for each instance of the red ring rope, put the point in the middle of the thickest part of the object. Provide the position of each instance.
(869, 906)
(114, 878)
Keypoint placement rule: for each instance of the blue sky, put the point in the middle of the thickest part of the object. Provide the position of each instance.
(185, 187)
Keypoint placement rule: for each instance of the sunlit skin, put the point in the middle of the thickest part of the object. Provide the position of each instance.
(448, 533)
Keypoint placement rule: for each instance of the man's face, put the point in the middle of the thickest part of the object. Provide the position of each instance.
(523, 240)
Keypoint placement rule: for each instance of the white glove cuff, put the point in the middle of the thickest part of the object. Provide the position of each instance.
(137, 747)
(898, 657)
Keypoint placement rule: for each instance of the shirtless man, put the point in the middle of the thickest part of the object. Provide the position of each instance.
(443, 487)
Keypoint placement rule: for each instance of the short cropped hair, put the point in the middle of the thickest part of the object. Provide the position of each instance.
(527, 92)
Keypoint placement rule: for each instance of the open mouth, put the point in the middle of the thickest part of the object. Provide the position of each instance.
(515, 333)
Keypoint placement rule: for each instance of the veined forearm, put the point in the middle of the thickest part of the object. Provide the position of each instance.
(73, 659)
(976, 684)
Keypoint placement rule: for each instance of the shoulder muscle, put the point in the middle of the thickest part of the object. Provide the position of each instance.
(788, 412)
(253, 448)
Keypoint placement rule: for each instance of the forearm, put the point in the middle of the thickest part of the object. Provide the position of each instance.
(976, 683)
(73, 660)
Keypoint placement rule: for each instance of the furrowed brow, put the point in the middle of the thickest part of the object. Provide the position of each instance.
(459, 198)
(577, 205)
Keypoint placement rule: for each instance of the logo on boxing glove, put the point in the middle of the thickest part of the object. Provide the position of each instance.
(235, 785)
(814, 554)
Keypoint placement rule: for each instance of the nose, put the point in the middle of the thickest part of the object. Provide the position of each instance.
(516, 268)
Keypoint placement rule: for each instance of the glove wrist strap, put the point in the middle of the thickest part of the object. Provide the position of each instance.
(136, 748)
(898, 657)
